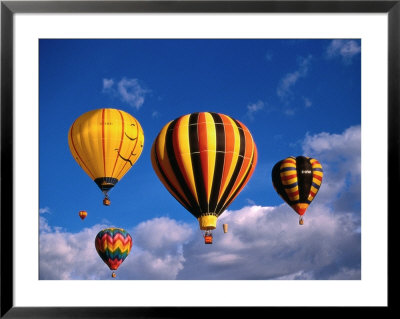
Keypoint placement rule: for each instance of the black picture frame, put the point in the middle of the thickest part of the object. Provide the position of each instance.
(9, 8)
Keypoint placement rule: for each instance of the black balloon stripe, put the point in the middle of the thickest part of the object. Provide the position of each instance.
(176, 169)
(304, 179)
(242, 148)
(219, 161)
(196, 162)
(277, 181)
(174, 191)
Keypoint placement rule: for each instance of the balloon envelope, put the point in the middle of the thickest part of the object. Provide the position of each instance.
(204, 160)
(106, 143)
(297, 180)
(113, 245)
(82, 214)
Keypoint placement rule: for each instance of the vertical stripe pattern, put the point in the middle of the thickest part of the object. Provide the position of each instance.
(204, 160)
(297, 180)
(106, 143)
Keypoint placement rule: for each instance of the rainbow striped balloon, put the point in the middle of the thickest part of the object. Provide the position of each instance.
(113, 246)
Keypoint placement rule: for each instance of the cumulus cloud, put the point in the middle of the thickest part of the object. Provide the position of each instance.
(156, 253)
(340, 155)
(263, 243)
(344, 49)
(267, 243)
(290, 79)
(127, 90)
(45, 210)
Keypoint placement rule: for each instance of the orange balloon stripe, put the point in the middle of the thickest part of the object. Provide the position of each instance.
(245, 163)
(230, 189)
(203, 148)
(288, 160)
(285, 178)
(229, 148)
(317, 177)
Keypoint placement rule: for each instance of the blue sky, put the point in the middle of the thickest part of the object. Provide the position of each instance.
(297, 97)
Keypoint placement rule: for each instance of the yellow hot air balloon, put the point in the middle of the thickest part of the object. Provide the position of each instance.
(106, 143)
(204, 160)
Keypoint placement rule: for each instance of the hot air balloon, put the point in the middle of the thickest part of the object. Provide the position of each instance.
(106, 143)
(297, 180)
(113, 245)
(204, 160)
(82, 214)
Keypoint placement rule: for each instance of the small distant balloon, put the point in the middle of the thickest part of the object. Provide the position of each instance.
(297, 180)
(82, 214)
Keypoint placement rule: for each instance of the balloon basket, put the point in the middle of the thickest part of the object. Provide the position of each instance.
(208, 240)
(113, 275)
(106, 202)
(301, 221)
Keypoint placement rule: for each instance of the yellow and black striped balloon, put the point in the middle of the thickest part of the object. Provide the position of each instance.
(106, 143)
(204, 160)
(297, 180)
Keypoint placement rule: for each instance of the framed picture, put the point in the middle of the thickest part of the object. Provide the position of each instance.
(311, 87)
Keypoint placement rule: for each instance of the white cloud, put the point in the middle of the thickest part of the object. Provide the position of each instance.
(340, 155)
(267, 243)
(127, 90)
(107, 84)
(290, 79)
(45, 210)
(254, 108)
(307, 102)
(345, 49)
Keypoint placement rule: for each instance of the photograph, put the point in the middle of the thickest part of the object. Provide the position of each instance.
(200, 159)
(161, 158)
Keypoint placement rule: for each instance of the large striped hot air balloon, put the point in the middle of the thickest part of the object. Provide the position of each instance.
(297, 180)
(204, 160)
(113, 245)
(106, 143)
